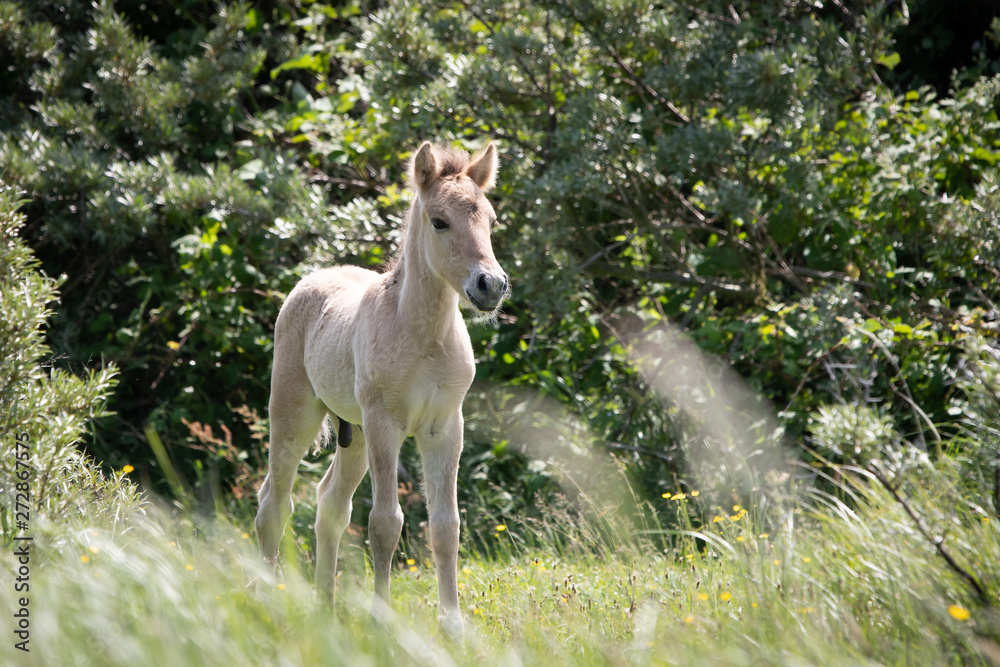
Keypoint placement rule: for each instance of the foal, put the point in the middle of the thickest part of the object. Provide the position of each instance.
(391, 353)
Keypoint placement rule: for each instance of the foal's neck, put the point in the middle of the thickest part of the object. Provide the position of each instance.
(427, 303)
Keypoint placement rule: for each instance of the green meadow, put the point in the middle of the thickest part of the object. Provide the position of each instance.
(805, 576)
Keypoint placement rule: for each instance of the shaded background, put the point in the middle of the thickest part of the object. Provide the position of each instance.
(772, 178)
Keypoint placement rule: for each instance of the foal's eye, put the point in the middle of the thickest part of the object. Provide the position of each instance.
(439, 224)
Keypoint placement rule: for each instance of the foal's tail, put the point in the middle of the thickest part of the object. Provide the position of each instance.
(322, 440)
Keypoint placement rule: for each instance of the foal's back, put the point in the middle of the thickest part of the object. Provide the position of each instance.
(317, 326)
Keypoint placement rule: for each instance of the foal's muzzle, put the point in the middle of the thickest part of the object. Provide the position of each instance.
(487, 290)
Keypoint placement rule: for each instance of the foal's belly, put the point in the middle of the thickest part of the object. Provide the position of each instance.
(334, 385)
(417, 393)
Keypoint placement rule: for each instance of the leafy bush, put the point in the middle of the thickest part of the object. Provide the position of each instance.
(45, 480)
(736, 171)
(126, 138)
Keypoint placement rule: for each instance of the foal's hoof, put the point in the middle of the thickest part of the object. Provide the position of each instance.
(452, 625)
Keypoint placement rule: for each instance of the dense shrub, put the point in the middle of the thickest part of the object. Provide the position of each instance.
(125, 136)
(735, 171)
(45, 412)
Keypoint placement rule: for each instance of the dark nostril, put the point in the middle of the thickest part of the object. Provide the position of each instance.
(506, 283)
(483, 283)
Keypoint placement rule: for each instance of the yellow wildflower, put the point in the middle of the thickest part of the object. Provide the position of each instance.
(410, 561)
(725, 596)
(678, 496)
(694, 494)
(85, 558)
(958, 612)
(764, 536)
(717, 519)
(689, 619)
(127, 469)
(281, 587)
(501, 527)
(189, 567)
(702, 596)
(413, 568)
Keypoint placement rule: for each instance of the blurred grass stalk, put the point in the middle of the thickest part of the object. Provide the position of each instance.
(163, 459)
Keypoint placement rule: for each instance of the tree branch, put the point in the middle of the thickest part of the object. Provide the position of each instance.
(679, 277)
(938, 543)
(641, 450)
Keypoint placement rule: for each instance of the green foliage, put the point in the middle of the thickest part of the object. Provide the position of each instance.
(45, 412)
(735, 171)
(139, 190)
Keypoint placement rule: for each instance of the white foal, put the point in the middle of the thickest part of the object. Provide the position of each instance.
(389, 352)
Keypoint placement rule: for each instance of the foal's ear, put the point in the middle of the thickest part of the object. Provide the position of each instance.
(425, 168)
(483, 169)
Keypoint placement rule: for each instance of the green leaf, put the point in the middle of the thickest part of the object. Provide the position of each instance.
(253, 21)
(250, 170)
(889, 60)
(305, 61)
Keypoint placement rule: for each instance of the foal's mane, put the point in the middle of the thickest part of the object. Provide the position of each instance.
(450, 162)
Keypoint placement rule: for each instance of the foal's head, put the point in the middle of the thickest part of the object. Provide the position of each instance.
(454, 219)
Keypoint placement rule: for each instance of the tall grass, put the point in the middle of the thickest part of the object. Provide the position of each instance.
(835, 573)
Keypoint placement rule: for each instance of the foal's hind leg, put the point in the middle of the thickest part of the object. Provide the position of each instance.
(296, 417)
(333, 510)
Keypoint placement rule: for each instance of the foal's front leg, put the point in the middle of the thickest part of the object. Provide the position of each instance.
(440, 449)
(384, 438)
